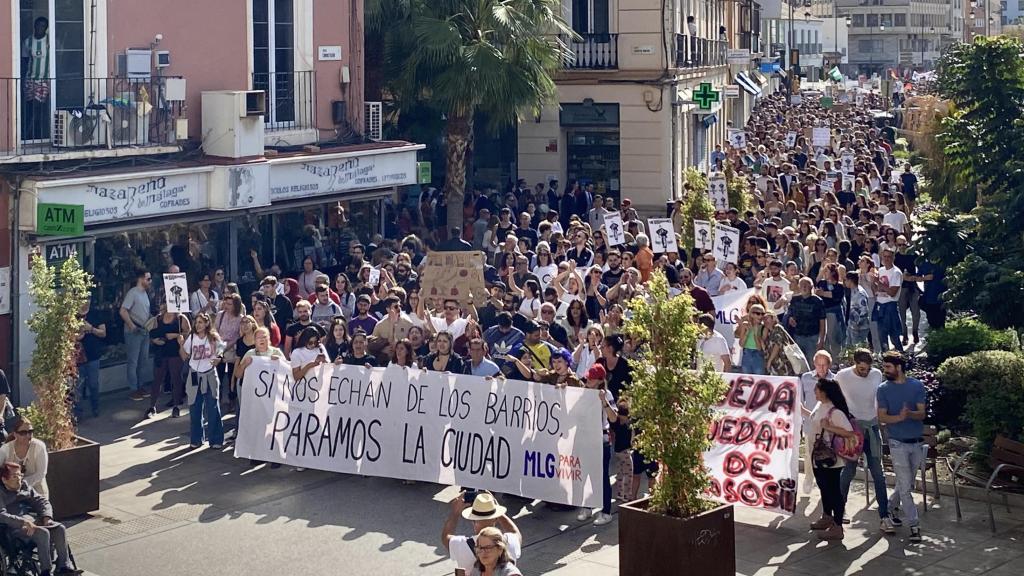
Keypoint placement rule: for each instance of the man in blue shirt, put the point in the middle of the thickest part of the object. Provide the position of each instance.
(901, 408)
(479, 364)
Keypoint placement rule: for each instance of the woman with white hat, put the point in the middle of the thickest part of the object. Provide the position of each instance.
(484, 512)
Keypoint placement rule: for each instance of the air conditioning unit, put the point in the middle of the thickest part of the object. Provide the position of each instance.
(373, 121)
(129, 125)
(232, 124)
(79, 128)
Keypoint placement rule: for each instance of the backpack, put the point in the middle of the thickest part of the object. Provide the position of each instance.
(846, 449)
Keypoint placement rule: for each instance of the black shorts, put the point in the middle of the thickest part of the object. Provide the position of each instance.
(640, 464)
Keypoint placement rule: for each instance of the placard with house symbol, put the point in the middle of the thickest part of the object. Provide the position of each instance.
(615, 230)
(848, 161)
(662, 235)
(176, 293)
(790, 139)
(727, 243)
(718, 192)
(702, 234)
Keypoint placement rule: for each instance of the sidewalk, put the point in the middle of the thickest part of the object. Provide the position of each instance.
(170, 510)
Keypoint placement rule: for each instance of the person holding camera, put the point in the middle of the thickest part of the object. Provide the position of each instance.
(483, 510)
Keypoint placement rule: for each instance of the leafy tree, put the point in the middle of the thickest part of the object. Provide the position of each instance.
(674, 406)
(739, 190)
(58, 294)
(461, 57)
(696, 204)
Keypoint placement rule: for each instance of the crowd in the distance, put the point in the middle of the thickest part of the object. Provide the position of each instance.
(825, 248)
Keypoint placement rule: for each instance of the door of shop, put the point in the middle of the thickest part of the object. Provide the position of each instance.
(593, 157)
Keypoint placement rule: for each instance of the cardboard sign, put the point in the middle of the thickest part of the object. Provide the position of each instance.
(614, 229)
(754, 455)
(662, 235)
(428, 426)
(737, 138)
(374, 278)
(702, 234)
(176, 293)
(848, 161)
(718, 192)
(726, 243)
(455, 275)
(790, 139)
(821, 136)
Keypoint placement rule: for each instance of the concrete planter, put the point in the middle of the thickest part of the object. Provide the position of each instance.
(655, 545)
(73, 477)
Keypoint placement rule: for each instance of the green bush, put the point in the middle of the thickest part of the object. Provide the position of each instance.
(966, 335)
(993, 382)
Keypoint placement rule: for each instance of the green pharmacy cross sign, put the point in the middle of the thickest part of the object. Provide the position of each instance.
(704, 96)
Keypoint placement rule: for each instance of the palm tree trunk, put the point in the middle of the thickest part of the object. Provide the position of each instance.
(457, 135)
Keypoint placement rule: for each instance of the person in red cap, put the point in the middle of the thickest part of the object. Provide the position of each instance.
(596, 378)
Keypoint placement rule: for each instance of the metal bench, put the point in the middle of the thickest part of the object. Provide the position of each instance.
(1006, 460)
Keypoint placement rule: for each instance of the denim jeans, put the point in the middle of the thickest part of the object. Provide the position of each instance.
(871, 438)
(906, 461)
(46, 540)
(835, 331)
(752, 361)
(809, 346)
(206, 402)
(889, 329)
(89, 385)
(910, 298)
(136, 344)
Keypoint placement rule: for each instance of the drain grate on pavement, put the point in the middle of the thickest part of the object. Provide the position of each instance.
(98, 537)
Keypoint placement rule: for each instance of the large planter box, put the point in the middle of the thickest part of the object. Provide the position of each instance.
(655, 545)
(73, 477)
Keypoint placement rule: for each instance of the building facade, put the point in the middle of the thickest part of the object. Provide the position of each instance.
(893, 34)
(192, 133)
(627, 119)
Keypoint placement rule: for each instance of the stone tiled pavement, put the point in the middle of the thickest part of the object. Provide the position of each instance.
(170, 510)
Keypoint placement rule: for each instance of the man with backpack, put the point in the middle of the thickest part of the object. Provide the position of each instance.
(859, 384)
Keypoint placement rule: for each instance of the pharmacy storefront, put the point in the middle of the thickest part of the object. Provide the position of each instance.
(239, 219)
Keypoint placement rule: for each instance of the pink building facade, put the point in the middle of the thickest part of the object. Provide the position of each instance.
(192, 133)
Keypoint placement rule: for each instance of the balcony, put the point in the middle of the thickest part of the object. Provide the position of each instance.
(595, 52)
(70, 118)
(291, 100)
(694, 52)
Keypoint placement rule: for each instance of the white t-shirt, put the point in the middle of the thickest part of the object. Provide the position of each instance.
(897, 220)
(776, 293)
(456, 329)
(836, 419)
(888, 277)
(545, 274)
(200, 352)
(737, 285)
(530, 307)
(713, 348)
(861, 393)
(464, 558)
(303, 356)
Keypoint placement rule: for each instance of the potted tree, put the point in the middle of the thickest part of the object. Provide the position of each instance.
(677, 529)
(73, 474)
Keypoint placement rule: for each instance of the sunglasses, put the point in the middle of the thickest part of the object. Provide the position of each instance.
(25, 432)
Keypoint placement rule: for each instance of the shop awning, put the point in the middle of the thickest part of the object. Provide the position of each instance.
(749, 85)
(761, 79)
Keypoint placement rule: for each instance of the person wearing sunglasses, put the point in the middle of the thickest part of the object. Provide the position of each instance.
(29, 452)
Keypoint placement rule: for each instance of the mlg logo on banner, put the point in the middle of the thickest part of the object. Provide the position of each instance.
(756, 442)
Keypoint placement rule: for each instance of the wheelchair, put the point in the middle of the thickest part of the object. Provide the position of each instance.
(18, 557)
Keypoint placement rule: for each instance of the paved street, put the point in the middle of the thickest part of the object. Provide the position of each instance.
(180, 511)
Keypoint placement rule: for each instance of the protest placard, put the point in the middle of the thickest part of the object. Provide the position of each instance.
(374, 277)
(821, 136)
(848, 160)
(737, 138)
(790, 139)
(525, 438)
(718, 192)
(662, 235)
(727, 243)
(455, 275)
(729, 308)
(615, 230)
(176, 293)
(702, 234)
(755, 443)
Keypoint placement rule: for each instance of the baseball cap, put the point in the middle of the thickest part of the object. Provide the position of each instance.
(597, 372)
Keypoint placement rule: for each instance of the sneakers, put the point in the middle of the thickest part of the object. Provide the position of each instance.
(823, 523)
(583, 515)
(887, 526)
(69, 570)
(216, 446)
(138, 395)
(151, 412)
(894, 517)
(602, 519)
(915, 533)
(298, 469)
(176, 412)
(833, 533)
(196, 445)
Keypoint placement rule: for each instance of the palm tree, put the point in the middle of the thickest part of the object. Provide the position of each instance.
(462, 57)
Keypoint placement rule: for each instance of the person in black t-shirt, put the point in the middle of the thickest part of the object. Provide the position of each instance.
(358, 356)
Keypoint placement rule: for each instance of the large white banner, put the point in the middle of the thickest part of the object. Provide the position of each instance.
(729, 308)
(508, 436)
(754, 457)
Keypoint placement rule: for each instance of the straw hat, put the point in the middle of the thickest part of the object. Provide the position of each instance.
(485, 507)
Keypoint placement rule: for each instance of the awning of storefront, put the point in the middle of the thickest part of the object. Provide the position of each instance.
(749, 85)
(115, 199)
(760, 78)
